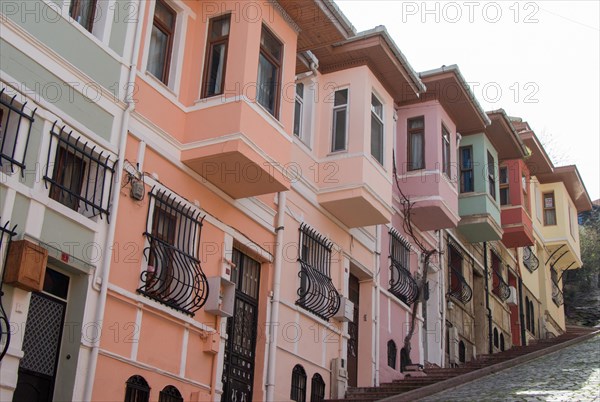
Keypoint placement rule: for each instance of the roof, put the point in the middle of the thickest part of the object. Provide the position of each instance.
(504, 137)
(570, 177)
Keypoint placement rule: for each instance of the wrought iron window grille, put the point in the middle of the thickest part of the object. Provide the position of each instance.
(402, 283)
(530, 261)
(298, 390)
(557, 294)
(174, 275)
(170, 394)
(79, 174)
(459, 288)
(500, 287)
(137, 389)
(316, 292)
(392, 354)
(13, 120)
(6, 235)
(317, 388)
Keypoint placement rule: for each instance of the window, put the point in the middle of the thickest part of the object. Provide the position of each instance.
(170, 394)
(316, 293)
(532, 316)
(446, 151)
(83, 11)
(504, 189)
(402, 284)
(269, 71)
(458, 286)
(216, 56)
(525, 185)
(15, 129)
(571, 226)
(502, 342)
(462, 352)
(161, 41)
(538, 201)
(496, 340)
(340, 111)
(298, 110)
(499, 287)
(173, 276)
(405, 359)
(298, 391)
(491, 175)
(392, 354)
(467, 178)
(527, 314)
(81, 177)
(377, 129)
(416, 143)
(549, 209)
(137, 389)
(317, 388)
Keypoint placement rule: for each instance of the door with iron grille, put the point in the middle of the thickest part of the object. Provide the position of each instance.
(353, 288)
(238, 367)
(41, 343)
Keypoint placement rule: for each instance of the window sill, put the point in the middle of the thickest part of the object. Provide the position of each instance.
(160, 86)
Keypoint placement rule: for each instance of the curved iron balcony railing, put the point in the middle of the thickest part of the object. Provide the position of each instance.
(317, 293)
(530, 261)
(175, 279)
(557, 295)
(501, 289)
(459, 287)
(402, 284)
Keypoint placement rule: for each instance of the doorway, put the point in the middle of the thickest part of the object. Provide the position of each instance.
(353, 293)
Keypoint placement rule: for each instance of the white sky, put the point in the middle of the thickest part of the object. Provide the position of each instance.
(542, 56)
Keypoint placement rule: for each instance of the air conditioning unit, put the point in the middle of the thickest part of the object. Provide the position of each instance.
(512, 299)
(339, 378)
(453, 341)
(346, 311)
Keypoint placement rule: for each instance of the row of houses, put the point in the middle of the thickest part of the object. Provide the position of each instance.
(237, 201)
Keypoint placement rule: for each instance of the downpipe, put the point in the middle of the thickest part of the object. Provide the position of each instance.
(487, 298)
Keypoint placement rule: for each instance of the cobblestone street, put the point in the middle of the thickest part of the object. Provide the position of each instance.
(571, 374)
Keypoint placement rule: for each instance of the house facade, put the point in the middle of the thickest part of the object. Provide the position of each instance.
(242, 201)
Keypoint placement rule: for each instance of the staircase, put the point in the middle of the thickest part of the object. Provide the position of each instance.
(439, 379)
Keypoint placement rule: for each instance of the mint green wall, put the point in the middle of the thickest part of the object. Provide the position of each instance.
(39, 80)
(124, 18)
(480, 201)
(72, 238)
(61, 36)
(20, 212)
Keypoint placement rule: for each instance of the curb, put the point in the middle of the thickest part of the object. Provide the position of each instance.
(462, 379)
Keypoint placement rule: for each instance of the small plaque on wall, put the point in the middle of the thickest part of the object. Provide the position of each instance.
(26, 265)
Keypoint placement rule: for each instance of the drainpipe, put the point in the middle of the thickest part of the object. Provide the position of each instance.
(521, 315)
(487, 298)
(377, 301)
(274, 318)
(110, 235)
(442, 302)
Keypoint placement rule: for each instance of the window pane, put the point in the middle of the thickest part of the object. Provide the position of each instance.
(416, 123)
(467, 181)
(267, 84)
(270, 44)
(466, 160)
(416, 151)
(217, 66)
(548, 201)
(377, 139)
(339, 127)
(504, 197)
(341, 97)
(219, 28)
(550, 217)
(158, 52)
(376, 106)
(82, 11)
(503, 175)
(164, 14)
(297, 117)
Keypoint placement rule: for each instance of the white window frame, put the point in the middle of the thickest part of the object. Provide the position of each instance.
(103, 18)
(382, 121)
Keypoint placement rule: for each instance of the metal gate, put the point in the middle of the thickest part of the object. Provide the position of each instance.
(353, 288)
(41, 344)
(238, 367)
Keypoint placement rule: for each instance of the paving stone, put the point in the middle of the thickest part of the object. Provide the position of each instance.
(571, 374)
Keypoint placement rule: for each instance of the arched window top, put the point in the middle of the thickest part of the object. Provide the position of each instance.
(298, 390)
(496, 337)
(317, 388)
(392, 353)
(170, 394)
(502, 342)
(137, 389)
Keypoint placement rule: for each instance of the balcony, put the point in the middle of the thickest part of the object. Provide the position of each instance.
(501, 288)
(361, 195)
(557, 295)
(237, 147)
(402, 284)
(480, 218)
(514, 197)
(517, 227)
(459, 288)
